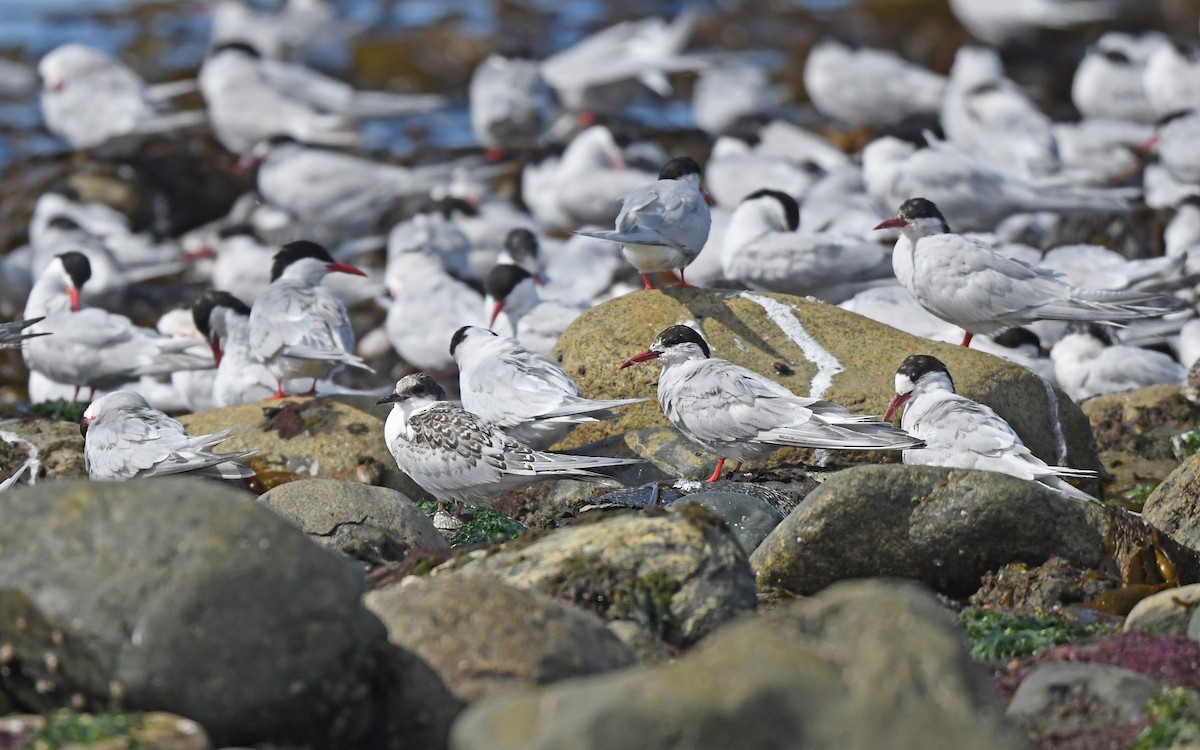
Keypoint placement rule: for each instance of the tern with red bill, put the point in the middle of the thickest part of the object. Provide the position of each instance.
(535, 322)
(964, 434)
(742, 416)
(967, 283)
(299, 329)
(224, 321)
(90, 346)
(125, 438)
(663, 226)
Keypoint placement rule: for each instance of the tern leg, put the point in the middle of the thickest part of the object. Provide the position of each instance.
(683, 282)
(717, 471)
(312, 391)
(278, 392)
(646, 281)
(967, 339)
(75, 398)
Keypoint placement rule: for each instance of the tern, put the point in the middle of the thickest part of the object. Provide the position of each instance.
(869, 87)
(535, 322)
(740, 415)
(525, 393)
(1090, 362)
(460, 457)
(13, 333)
(224, 320)
(663, 226)
(124, 438)
(299, 329)
(964, 434)
(967, 283)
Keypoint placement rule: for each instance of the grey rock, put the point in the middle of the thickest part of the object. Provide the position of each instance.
(863, 664)
(680, 574)
(1166, 612)
(1174, 506)
(485, 637)
(372, 524)
(1049, 687)
(749, 518)
(186, 596)
(941, 526)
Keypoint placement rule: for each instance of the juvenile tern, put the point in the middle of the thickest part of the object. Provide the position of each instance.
(460, 457)
(964, 434)
(124, 438)
(663, 226)
(526, 394)
(740, 415)
(299, 329)
(967, 283)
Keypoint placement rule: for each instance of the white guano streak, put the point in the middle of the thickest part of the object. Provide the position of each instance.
(783, 316)
(1060, 439)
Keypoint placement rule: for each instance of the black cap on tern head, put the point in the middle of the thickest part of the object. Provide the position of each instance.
(77, 266)
(461, 334)
(521, 244)
(242, 229)
(680, 166)
(502, 279)
(680, 334)
(919, 208)
(238, 45)
(790, 208)
(1095, 330)
(62, 221)
(916, 365)
(211, 300)
(1018, 336)
(294, 251)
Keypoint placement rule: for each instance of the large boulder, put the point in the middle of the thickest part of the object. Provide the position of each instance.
(185, 596)
(1138, 433)
(1174, 506)
(864, 664)
(301, 438)
(486, 638)
(945, 527)
(372, 524)
(679, 574)
(805, 345)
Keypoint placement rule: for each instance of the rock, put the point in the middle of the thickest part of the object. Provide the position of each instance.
(680, 574)
(945, 527)
(1041, 588)
(1174, 506)
(185, 596)
(1137, 431)
(1165, 613)
(1095, 694)
(56, 446)
(487, 638)
(154, 730)
(742, 327)
(825, 672)
(301, 438)
(372, 524)
(749, 518)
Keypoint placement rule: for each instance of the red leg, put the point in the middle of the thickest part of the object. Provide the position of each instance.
(646, 281)
(278, 392)
(312, 391)
(737, 468)
(683, 282)
(75, 398)
(717, 471)
(967, 339)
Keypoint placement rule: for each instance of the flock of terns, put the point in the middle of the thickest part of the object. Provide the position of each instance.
(482, 285)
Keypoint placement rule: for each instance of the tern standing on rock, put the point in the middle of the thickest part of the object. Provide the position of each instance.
(964, 434)
(299, 329)
(663, 226)
(526, 394)
(125, 438)
(460, 457)
(741, 415)
(966, 283)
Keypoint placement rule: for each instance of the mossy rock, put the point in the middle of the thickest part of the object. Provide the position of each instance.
(59, 448)
(301, 438)
(742, 328)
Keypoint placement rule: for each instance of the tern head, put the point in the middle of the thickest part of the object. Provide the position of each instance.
(307, 261)
(522, 245)
(916, 370)
(511, 288)
(260, 151)
(687, 169)
(1020, 339)
(917, 218)
(678, 343)
(414, 390)
(76, 269)
(117, 400)
(205, 314)
(788, 210)
(462, 334)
